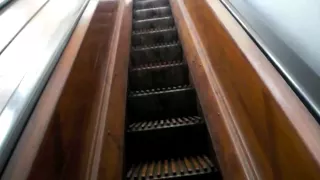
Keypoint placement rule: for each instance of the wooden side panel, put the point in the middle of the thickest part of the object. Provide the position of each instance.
(78, 103)
(259, 127)
(109, 151)
(59, 138)
(42, 136)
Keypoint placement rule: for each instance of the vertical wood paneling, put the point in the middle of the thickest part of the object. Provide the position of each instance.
(57, 142)
(259, 127)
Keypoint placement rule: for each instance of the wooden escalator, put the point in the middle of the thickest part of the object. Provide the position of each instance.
(164, 89)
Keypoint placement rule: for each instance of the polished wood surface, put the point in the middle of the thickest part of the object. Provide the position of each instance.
(259, 128)
(86, 79)
(62, 139)
(108, 145)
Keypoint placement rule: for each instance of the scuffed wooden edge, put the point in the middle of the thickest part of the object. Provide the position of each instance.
(23, 157)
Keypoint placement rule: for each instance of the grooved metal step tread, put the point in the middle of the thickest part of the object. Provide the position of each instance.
(152, 19)
(158, 65)
(159, 36)
(153, 30)
(155, 46)
(156, 53)
(152, 23)
(160, 91)
(152, 9)
(152, 13)
(159, 75)
(171, 168)
(150, 4)
(165, 123)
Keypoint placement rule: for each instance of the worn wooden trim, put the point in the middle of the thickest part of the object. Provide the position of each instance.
(108, 146)
(21, 162)
(242, 152)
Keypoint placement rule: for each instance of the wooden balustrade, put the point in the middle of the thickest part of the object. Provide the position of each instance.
(259, 127)
(71, 134)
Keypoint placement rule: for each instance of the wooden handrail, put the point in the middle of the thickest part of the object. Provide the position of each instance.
(259, 128)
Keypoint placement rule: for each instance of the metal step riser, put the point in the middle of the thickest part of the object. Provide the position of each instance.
(150, 4)
(162, 106)
(154, 55)
(159, 78)
(154, 37)
(153, 24)
(171, 141)
(152, 13)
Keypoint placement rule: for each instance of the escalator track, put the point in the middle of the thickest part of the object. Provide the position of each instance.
(166, 134)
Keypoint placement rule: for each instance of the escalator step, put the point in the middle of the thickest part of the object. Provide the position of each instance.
(156, 53)
(170, 168)
(162, 103)
(150, 4)
(158, 91)
(165, 123)
(159, 75)
(154, 23)
(152, 13)
(156, 36)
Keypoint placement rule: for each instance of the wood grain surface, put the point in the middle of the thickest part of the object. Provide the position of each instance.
(60, 137)
(259, 128)
(108, 150)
